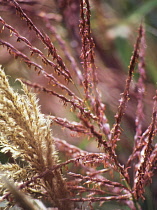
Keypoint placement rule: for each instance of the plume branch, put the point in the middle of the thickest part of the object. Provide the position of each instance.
(116, 131)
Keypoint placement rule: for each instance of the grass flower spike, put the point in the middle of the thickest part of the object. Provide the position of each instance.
(26, 132)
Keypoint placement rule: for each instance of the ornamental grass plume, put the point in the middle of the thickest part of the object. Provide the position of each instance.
(122, 162)
(26, 136)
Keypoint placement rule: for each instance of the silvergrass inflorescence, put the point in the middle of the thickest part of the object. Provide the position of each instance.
(26, 135)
